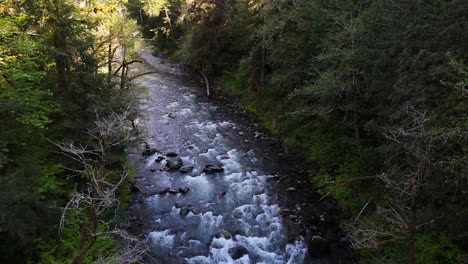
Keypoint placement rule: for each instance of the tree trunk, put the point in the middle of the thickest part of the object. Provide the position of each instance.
(412, 233)
(109, 62)
(207, 83)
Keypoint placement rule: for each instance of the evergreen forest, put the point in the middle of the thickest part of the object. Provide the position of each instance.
(373, 93)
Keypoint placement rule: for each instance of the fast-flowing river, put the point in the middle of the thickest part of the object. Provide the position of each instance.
(200, 214)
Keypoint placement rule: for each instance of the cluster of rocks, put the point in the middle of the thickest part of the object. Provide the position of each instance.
(181, 190)
(185, 209)
(175, 163)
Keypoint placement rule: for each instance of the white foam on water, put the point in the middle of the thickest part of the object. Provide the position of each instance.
(209, 226)
(185, 112)
(189, 97)
(296, 252)
(218, 140)
(209, 153)
(173, 105)
(162, 239)
(233, 177)
(201, 187)
(258, 246)
(219, 253)
(226, 124)
(232, 164)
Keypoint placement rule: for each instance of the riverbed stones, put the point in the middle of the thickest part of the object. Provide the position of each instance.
(226, 234)
(238, 252)
(259, 192)
(174, 164)
(148, 152)
(212, 168)
(284, 212)
(293, 217)
(159, 159)
(171, 154)
(241, 133)
(172, 115)
(186, 169)
(224, 157)
(184, 211)
(184, 190)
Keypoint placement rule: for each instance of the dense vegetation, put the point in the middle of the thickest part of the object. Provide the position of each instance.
(374, 92)
(65, 108)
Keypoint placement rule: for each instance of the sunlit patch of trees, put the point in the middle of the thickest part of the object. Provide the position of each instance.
(66, 111)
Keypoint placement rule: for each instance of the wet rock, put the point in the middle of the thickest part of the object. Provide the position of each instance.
(318, 246)
(258, 192)
(195, 211)
(134, 188)
(172, 191)
(186, 169)
(224, 233)
(292, 189)
(284, 211)
(190, 147)
(257, 135)
(168, 190)
(172, 115)
(148, 152)
(246, 141)
(241, 133)
(293, 217)
(222, 194)
(224, 157)
(212, 169)
(238, 252)
(159, 159)
(179, 205)
(184, 212)
(171, 154)
(174, 164)
(152, 170)
(184, 190)
(216, 244)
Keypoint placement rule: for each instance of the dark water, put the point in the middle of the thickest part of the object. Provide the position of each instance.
(232, 216)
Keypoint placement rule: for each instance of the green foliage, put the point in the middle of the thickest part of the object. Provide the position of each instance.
(58, 251)
(50, 91)
(335, 79)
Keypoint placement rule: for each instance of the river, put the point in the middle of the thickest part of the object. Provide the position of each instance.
(201, 216)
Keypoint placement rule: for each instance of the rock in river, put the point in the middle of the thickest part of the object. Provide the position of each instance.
(184, 190)
(212, 169)
(148, 152)
(186, 169)
(174, 164)
(237, 252)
